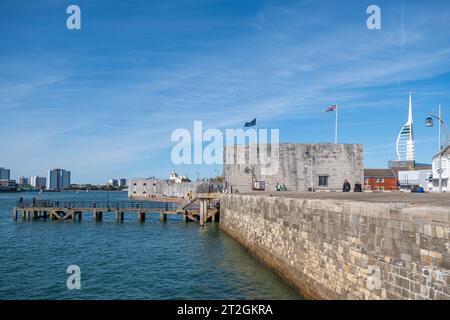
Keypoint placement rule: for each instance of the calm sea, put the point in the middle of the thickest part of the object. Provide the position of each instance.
(128, 260)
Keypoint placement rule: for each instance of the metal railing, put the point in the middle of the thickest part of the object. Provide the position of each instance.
(112, 205)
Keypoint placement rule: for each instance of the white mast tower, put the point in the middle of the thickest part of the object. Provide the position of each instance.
(405, 140)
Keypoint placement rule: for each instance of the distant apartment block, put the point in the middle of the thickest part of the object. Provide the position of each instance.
(122, 182)
(5, 174)
(58, 179)
(113, 182)
(38, 182)
(23, 181)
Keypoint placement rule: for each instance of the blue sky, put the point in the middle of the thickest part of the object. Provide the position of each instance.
(102, 101)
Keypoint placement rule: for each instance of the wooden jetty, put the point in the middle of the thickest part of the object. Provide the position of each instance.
(201, 208)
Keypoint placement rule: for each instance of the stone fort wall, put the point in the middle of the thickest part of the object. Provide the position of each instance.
(147, 188)
(300, 166)
(341, 249)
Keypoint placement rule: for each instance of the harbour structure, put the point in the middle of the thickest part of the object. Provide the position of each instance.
(405, 140)
(156, 188)
(8, 185)
(301, 167)
(201, 208)
(336, 245)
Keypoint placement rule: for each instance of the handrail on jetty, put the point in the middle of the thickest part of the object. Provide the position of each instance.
(202, 208)
(112, 205)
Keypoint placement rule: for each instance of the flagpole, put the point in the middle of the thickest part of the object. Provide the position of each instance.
(336, 128)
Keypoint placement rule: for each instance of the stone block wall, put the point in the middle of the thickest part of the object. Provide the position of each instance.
(335, 249)
(146, 188)
(300, 166)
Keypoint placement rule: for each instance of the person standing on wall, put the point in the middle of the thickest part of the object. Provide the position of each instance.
(346, 187)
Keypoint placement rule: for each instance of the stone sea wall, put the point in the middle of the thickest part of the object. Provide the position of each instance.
(342, 249)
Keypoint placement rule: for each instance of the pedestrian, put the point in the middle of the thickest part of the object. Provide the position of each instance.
(346, 187)
(358, 187)
(21, 202)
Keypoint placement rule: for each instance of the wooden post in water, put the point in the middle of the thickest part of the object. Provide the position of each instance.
(203, 211)
(80, 215)
(141, 216)
(15, 214)
(98, 215)
(121, 216)
(162, 217)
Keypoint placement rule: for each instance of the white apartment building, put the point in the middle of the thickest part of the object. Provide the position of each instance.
(445, 169)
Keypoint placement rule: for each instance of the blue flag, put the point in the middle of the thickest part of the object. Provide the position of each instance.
(250, 124)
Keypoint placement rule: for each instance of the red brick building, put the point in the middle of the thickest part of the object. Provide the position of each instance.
(380, 180)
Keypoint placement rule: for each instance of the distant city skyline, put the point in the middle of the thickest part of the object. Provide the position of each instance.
(102, 101)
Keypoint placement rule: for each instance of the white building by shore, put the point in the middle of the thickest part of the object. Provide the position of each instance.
(174, 177)
(445, 169)
(421, 178)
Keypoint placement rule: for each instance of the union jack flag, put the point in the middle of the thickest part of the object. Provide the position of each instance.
(330, 108)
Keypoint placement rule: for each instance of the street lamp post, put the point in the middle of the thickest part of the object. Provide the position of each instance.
(429, 123)
(107, 195)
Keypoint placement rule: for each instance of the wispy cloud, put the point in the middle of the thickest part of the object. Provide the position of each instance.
(106, 103)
